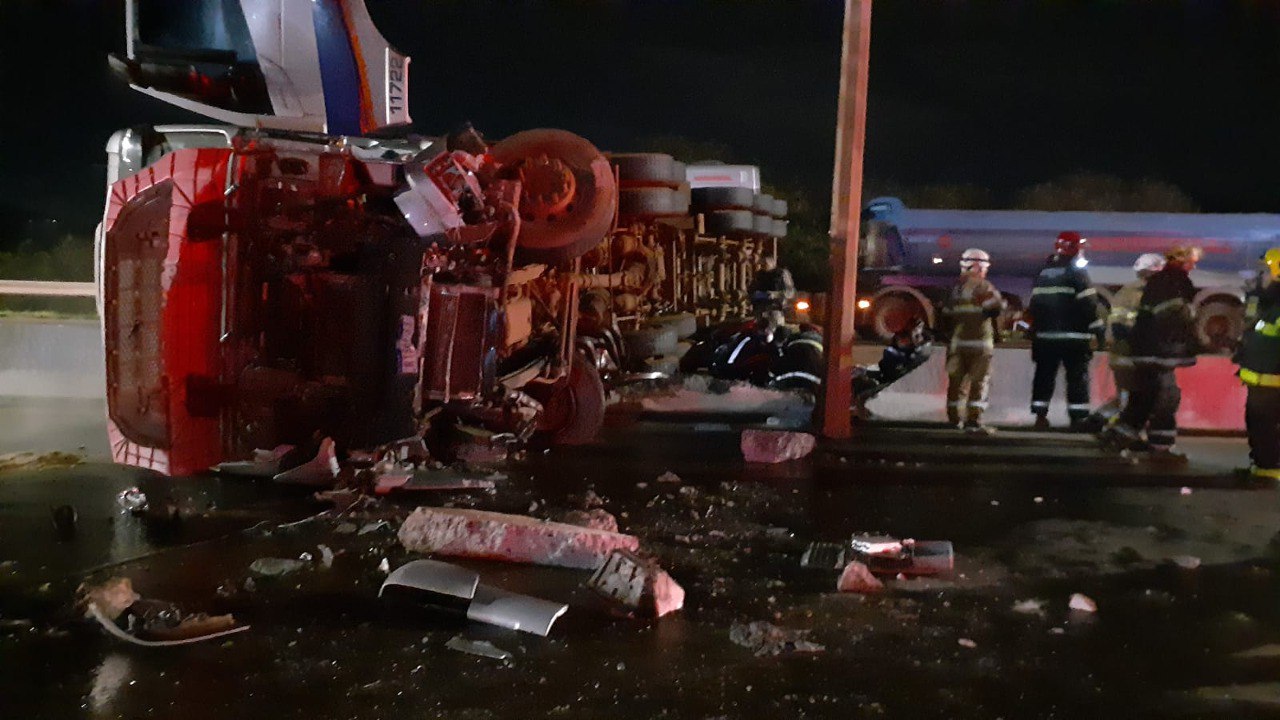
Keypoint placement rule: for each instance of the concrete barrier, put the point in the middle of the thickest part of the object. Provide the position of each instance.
(51, 358)
(1212, 397)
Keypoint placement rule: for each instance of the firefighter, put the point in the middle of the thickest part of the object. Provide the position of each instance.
(1124, 311)
(1259, 360)
(771, 290)
(972, 309)
(1064, 320)
(1163, 339)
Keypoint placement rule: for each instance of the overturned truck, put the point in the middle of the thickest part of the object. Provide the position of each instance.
(289, 278)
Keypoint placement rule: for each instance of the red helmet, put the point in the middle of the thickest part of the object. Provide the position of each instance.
(1069, 244)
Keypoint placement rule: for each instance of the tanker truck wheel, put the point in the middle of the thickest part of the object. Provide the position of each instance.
(568, 193)
(574, 413)
(895, 312)
(1219, 323)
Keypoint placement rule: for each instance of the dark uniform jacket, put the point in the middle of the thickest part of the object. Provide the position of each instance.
(1259, 355)
(1165, 331)
(1064, 305)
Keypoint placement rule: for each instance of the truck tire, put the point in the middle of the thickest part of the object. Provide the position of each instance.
(648, 342)
(637, 170)
(779, 229)
(894, 312)
(779, 208)
(651, 202)
(763, 225)
(554, 236)
(764, 204)
(710, 199)
(1219, 324)
(729, 222)
(574, 413)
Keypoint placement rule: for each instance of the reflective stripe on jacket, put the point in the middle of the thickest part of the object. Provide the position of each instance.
(1064, 304)
(970, 307)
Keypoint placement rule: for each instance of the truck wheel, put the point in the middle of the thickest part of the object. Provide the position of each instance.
(648, 342)
(1219, 324)
(710, 199)
(653, 202)
(896, 312)
(727, 222)
(638, 170)
(574, 413)
(568, 198)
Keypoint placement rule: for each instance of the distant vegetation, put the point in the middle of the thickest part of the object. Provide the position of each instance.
(70, 258)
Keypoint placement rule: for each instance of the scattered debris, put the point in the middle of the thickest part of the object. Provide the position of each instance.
(483, 453)
(265, 463)
(322, 470)
(637, 585)
(1083, 603)
(449, 587)
(150, 623)
(384, 567)
(1185, 490)
(775, 446)
(429, 480)
(857, 578)
(917, 557)
(345, 528)
(966, 643)
(345, 499)
(481, 648)
(669, 477)
(372, 527)
(876, 545)
(132, 500)
(768, 639)
(1037, 500)
(1029, 607)
(275, 567)
(1186, 562)
(326, 556)
(515, 538)
(32, 461)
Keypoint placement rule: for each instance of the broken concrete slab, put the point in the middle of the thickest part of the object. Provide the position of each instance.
(857, 578)
(514, 538)
(452, 588)
(775, 446)
(637, 585)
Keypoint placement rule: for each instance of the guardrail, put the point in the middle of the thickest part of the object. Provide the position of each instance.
(43, 288)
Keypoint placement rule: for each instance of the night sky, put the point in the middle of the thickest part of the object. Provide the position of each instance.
(1001, 94)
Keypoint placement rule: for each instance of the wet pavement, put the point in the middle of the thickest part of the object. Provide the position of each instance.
(1034, 517)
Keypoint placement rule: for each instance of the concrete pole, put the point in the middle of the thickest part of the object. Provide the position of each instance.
(846, 211)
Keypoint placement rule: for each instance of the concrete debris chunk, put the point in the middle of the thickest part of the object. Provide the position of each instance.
(669, 477)
(1029, 607)
(857, 578)
(637, 586)
(132, 500)
(480, 648)
(1186, 562)
(275, 567)
(767, 639)
(515, 538)
(966, 643)
(775, 446)
(320, 471)
(1082, 603)
(595, 518)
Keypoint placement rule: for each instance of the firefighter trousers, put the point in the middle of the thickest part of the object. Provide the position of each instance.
(968, 384)
(1153, 404)
(1262, 420)
(1074, 356)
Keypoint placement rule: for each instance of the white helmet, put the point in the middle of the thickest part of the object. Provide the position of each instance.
(1150, 263)
(974, 257)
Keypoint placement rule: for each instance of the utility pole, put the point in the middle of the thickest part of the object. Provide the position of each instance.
(846, 212)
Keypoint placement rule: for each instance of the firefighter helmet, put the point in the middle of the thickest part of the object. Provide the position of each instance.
(1069, 244)
(974, 258)
(1148, 263)
(1271, 259)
